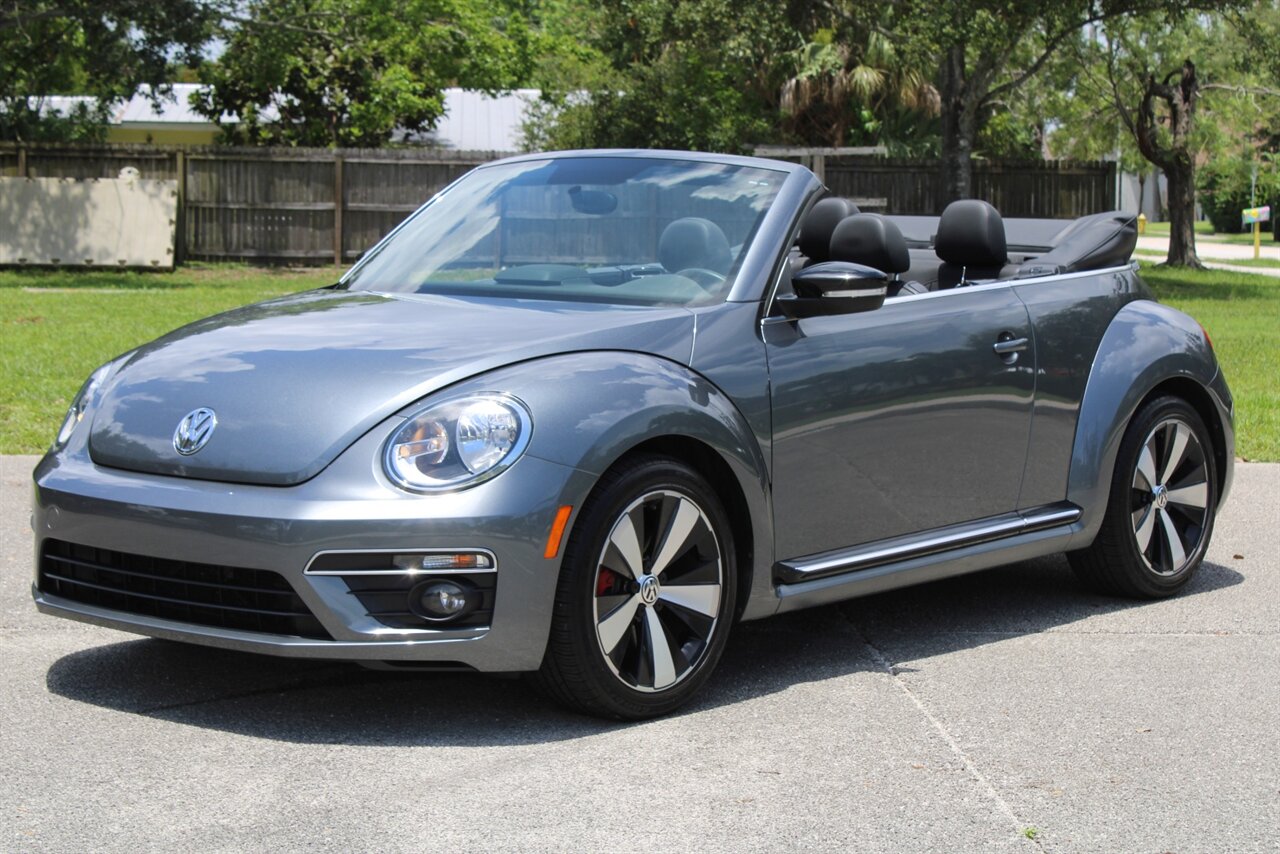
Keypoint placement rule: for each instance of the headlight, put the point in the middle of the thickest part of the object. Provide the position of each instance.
(458, 443)
(80, 403)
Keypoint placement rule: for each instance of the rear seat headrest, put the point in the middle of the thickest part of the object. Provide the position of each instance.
(870, 239)
(971, 234)
(822, 219)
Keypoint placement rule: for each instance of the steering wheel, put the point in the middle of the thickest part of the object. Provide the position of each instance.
(708, 280)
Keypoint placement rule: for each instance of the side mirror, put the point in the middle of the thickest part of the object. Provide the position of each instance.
(834, 287)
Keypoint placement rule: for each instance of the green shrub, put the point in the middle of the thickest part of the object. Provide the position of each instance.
(1224, 190)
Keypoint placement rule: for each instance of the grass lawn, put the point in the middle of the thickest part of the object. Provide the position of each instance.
(1242, 315)
(1267, 263)
(57, 326)
(1204, 231)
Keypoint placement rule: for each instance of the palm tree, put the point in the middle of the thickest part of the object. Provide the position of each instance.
(845, 89)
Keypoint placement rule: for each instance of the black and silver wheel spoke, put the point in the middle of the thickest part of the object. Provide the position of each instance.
(658, 589)
(683, 521)
(661, 665)
(703, 598)
(611, 629)
(1196, 495)
(625, 540)
(1170, 496)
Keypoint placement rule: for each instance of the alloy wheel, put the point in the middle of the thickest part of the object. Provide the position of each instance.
(1169, 499)
(657, 590)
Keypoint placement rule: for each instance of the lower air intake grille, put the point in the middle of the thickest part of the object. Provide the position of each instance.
(227, 597)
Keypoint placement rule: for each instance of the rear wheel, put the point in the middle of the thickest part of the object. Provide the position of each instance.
(645, 596)
(1161, 505)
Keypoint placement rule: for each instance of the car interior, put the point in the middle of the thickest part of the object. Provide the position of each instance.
(969, 243)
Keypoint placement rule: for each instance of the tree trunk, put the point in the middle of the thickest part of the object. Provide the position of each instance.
(1175, 157)
(959, 128)
(1182, 215)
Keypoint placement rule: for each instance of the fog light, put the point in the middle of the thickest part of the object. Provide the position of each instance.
(442, 600)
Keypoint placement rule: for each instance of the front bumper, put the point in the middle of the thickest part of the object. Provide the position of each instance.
(348, 507)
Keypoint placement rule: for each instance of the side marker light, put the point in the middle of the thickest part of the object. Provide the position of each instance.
(557, 531)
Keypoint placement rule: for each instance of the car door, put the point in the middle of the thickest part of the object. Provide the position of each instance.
(898, 420)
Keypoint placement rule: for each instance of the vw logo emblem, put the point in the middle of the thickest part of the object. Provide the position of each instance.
(194, 431)
(1160, 497)
(649, 588)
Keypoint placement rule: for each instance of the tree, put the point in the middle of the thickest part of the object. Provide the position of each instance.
(667, 74)
(852, 87)
(1179, 91)
(985, 50)
(103, 49)
(350, 72)
(1145, 85)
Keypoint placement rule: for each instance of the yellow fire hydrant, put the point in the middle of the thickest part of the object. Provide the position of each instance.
(1142, 223)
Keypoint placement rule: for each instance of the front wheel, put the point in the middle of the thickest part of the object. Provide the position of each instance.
(1161, 506)
(646, 594)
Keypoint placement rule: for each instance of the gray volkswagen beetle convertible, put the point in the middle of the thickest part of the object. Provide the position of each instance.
(583, 412)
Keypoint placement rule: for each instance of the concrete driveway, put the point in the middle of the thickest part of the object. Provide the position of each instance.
(1006, 711)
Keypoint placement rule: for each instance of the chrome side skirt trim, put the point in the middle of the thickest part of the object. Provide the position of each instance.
(912, 546)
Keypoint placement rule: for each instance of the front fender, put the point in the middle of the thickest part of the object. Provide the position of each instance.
(1145, 345)
(590, 408)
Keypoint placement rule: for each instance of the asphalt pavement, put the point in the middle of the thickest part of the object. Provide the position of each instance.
(1004, 711)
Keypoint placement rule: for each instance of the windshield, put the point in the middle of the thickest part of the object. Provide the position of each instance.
(641, 231)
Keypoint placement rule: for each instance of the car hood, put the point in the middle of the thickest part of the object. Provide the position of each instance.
(295, 381)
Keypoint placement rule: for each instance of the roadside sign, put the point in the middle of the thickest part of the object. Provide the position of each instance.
(1262, 214)
(1257, 216)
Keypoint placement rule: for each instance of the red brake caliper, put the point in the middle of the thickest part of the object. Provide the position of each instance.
(605, 581)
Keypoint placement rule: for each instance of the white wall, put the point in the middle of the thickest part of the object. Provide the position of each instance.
(1153, 194)
(107, 222)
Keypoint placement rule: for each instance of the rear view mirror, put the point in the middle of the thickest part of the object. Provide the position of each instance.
(834, 287)
(597, 202)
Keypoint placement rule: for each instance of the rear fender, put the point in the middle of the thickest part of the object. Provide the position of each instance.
(1145, 345)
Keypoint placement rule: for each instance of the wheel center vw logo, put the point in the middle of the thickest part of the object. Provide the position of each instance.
(194, 431)
(1160, 498)
(649, 588)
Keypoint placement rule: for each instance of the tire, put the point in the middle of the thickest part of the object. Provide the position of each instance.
(1160, 509)
(602, 658)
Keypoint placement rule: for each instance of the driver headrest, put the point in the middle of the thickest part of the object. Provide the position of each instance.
(694, 242)
(971, 234)
(870, 239)
(822, 219)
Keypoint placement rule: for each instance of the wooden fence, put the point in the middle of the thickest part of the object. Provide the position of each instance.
(1054, 189)
(269, 204)
(297, 205)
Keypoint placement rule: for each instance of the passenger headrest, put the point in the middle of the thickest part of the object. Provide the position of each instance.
(694, 242)
(815, 231)
(870, 239)
(971, 234)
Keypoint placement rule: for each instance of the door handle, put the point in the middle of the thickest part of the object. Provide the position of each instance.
(1008, 345)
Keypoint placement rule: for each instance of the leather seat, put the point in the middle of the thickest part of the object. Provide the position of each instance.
(874, 241)
(815, 232)
(970, 242)
(694, 243)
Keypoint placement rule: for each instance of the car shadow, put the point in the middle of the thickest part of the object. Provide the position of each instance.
(309, 702)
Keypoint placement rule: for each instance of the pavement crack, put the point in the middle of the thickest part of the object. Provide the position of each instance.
(882, 661)
(1015, 633)
(303, 685)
